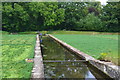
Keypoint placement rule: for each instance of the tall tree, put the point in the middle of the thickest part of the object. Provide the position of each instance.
(73, 12)
(89, 23)
(111, 16)
(31, 16)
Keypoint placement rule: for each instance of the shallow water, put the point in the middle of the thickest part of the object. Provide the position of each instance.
(61, 63)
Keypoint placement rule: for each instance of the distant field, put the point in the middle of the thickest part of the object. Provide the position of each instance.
(61, 32)
(15, 49)
(4, 32)
(94, 45)
(77, 32)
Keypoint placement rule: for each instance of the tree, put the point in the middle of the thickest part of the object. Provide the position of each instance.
(73, 12)
(31, 16)
(90, 22)
(14, 17)
(111, 16)
(94, 7)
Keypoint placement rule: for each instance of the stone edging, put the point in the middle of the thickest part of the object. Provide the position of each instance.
(38, 68)
(108, 68)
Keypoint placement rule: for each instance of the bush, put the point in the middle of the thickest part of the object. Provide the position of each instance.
(90, 22)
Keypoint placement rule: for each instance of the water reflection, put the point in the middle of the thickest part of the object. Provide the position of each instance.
(53, 51)
(65, 70)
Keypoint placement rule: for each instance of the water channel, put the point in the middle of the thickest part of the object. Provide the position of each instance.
(61, 63)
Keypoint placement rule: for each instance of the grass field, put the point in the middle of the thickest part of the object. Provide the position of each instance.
(98, 46)
(77, 32)
(15, 49)
(61, 32)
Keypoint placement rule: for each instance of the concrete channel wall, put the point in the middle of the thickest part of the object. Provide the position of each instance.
(108, 68)
(38, 68)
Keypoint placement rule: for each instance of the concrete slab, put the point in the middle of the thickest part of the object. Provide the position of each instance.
(38, 68)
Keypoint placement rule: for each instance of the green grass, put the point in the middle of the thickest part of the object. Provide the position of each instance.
(94, 45)
(4, 32)
(28, 32)
(61, 32)
(76, 32)
(15, 49)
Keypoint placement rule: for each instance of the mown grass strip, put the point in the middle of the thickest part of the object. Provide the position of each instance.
(14, 55)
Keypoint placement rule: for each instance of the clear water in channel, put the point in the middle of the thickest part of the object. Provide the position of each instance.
(61, 63)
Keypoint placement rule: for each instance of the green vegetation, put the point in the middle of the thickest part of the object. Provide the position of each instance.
(4, 32)
(86, 16)
(75, 32)
(94, 45)
(15, 49)
(74, 20)
(28, 32)
(62, 32)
